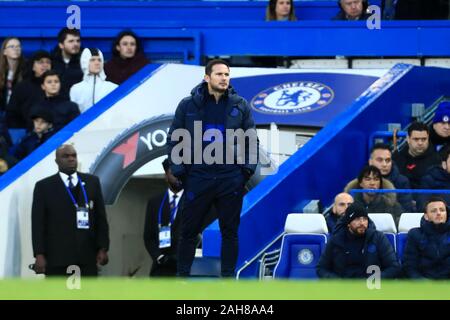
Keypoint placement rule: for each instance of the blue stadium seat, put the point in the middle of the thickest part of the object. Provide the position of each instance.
(17, 135)
(407, 222)
(304, 241)
(384, 222)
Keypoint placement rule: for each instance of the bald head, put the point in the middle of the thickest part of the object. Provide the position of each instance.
(66, 159)
(341, 202)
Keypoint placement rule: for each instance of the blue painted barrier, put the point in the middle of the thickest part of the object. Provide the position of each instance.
(54, 13)
(318, 38)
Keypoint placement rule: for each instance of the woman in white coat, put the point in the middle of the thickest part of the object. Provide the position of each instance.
(94, 86)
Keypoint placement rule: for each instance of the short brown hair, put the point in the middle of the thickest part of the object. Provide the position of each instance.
(212, 63)
(434, 199)
(64, 32)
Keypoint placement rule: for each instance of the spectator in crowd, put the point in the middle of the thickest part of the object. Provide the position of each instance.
(12, 68)
(28, 92)
(388, 9)
(421, 9)
(43, 130)
(381, 157)
(66, 58)
(62, 110)
(354, 246)
(437, 177)
(420, 155)
(280, 10)
(352, 10)
(220, 183)
(68, 217)
(341, 203)
(427, 250)
(3, 166)
(440, 129)
(6, 160)
(370, 178)
(94, 86)
(161, 228)
(4, 132)
(128, 57)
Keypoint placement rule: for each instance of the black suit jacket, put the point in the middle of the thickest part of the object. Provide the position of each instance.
(151, 231)
(54, 227)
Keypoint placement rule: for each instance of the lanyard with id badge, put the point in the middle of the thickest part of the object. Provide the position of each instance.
(82, 212)
(164, 231)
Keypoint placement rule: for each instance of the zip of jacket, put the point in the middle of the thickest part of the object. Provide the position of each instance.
(93, 91)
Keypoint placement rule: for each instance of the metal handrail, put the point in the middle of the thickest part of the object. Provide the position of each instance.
(262, 251)
(268, 259)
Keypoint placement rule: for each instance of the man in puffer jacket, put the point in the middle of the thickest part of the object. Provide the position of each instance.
(94, 86)
(205, 120)
(370, 178)
(381, 157)
(427, 251)
(356, 245)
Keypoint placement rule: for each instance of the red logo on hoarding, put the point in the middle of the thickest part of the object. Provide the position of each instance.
(128, 149)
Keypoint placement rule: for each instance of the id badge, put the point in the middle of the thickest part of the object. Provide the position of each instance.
(164, 237)
(82, 218)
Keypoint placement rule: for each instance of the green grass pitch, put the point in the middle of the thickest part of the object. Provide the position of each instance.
(207, 289)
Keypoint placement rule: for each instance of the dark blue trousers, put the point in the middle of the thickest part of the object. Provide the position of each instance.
(200, 195)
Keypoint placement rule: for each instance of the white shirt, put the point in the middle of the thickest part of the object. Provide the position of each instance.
(65, 178)
(9, 82)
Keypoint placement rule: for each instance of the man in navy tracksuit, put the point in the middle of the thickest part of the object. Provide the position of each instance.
(427, 250)
(354, 246)
(211, 111)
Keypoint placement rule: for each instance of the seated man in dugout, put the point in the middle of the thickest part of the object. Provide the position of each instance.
(381, 157)
(356, 248)
(427, 251)
(440, 128)
(370, 177)
(341, 203)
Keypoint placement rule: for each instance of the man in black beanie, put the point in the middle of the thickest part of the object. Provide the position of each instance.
(355, 246)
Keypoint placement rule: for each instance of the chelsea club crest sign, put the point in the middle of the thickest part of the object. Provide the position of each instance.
(293, 98)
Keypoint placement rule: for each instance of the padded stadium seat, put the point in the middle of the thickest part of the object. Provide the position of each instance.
(384, 222)
(304, 241)
(17, 134)
(406, 223)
